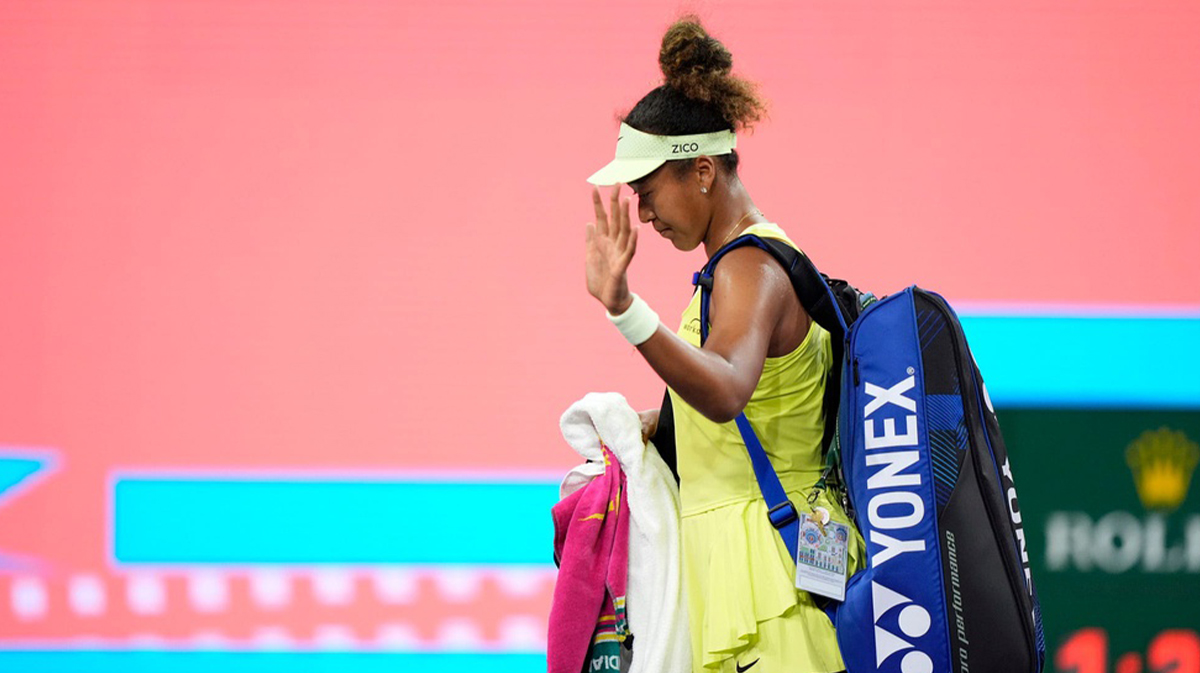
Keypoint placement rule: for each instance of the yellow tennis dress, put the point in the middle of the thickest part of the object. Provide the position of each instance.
(743, 606)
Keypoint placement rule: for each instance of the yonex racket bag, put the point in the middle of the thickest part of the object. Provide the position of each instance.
(947, 588)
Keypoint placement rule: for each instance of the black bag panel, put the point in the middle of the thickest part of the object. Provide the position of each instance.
(968, 455)
(991, 426)
(987, 631)
(945, 416)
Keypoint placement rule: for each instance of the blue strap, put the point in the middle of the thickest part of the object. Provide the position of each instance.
(780, 510)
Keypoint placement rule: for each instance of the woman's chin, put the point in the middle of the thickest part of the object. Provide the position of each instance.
(676, 240)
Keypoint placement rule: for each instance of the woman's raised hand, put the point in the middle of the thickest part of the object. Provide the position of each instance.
(611, 243)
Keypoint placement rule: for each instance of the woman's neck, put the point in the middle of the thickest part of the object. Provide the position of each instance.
(734, 213)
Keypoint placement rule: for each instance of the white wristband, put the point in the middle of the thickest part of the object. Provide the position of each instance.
(638, 323)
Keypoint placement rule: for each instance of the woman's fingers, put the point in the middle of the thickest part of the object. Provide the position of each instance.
(610, 244)
(614, 215)
(649, 419)
(601, 216)
(625, 253)
(620, 217)
(611, 237)
(630, 240)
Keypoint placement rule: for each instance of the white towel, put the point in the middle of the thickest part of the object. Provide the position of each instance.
(655, 601)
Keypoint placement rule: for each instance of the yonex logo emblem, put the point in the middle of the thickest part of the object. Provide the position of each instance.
(893, 507)
(913, 622)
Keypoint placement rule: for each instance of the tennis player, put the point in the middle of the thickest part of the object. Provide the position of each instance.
(764, 356)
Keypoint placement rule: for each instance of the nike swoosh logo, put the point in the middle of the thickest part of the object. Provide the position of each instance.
(742, 669)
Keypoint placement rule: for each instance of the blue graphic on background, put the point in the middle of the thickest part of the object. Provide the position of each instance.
(325, 521)
(1092, 361)
(14, 470)
(20, 469)
(46, 661)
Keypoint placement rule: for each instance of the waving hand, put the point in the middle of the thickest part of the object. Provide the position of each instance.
(611, 244)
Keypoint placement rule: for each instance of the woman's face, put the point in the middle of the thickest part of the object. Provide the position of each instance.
(671, 201)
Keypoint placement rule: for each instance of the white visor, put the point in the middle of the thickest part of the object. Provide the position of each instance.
(639, 154)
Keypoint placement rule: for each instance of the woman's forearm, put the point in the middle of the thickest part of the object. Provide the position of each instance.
(716, 387)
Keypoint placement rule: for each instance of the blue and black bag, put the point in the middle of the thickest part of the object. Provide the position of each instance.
(912, 442)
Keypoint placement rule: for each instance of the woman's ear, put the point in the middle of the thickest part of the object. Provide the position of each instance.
(706, 172)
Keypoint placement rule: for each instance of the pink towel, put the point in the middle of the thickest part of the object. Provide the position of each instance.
(591, 545)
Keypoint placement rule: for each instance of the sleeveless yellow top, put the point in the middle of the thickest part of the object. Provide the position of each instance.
(739, 576)
(785, 411)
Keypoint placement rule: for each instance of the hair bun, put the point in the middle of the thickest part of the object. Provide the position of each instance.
(689, 56)
(700, 68)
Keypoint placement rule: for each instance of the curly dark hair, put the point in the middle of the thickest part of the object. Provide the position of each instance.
(699, 94)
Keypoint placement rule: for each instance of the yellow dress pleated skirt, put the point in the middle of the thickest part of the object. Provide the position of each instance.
(743, 606)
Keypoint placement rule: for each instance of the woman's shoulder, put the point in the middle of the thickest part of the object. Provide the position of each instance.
(770, 230)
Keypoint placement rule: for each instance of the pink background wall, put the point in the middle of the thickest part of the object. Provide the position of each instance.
(330, 235)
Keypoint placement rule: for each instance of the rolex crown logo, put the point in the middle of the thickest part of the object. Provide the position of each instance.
(1162, 462)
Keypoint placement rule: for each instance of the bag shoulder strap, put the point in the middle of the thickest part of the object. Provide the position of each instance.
(830, 309)
(832, 303)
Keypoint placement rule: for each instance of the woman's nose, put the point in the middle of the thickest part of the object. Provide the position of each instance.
(645, 214)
